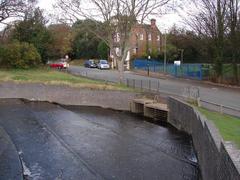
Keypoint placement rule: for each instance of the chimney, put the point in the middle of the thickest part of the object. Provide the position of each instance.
(153, 22)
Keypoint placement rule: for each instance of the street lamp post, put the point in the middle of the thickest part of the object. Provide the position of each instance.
(165, 52)
(149, 57)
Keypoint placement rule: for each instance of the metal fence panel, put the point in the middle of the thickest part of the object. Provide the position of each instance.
(193, 71)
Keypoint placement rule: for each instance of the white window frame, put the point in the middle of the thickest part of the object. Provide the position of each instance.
(134, 50)
(158, 37)
(149, 37)
(141, 37)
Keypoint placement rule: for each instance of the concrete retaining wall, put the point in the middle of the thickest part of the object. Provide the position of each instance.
(66, 95)
(217, 159)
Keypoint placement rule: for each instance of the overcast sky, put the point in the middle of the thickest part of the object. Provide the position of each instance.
(164, 23)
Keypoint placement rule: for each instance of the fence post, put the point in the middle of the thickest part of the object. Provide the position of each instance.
(188, 70)
(175, 70)
(199, 102)
(149, 85)
(201, 72)
(221, 109)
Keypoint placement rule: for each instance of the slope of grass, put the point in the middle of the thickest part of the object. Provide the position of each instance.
(229, 126)
(77, 62)
(48, 76)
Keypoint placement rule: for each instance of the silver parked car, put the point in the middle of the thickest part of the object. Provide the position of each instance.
(103, 64)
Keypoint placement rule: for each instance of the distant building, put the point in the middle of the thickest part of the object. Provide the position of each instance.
(145, 39)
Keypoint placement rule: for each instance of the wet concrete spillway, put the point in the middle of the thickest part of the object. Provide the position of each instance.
(40, 140)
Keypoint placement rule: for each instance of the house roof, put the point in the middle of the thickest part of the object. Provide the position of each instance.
(147, 27)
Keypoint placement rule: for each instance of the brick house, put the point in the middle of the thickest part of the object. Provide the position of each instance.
(145, 39)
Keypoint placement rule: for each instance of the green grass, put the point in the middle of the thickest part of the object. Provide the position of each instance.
(227, 70)
(229, 126)
(77, 62)
(48, 76)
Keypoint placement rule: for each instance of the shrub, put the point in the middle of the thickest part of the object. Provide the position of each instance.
(103, 50)
(154, 54)
(19, 55)
(30, 55)
(1, 53)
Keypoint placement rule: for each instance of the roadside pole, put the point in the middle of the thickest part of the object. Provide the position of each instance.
(165, 52)
(149, 57)
(182, 51)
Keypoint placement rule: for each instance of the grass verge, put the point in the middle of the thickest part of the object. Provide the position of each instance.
(48, 76)
(229, 126)
(77, 62)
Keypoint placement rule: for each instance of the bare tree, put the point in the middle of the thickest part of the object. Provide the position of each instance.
(234, 28)
(211, 21)
(12, 8)
(118, 17)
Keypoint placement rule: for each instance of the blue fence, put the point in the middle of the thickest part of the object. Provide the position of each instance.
(193, 71)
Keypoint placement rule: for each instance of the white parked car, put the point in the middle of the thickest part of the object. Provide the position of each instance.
(103, 64)
(65, 65)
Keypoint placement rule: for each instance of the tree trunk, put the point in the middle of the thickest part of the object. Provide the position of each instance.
(235, 72)
(218, 69)
(220, 41)
(120, 70)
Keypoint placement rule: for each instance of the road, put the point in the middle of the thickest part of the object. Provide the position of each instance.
(229, 97)
(40, 140)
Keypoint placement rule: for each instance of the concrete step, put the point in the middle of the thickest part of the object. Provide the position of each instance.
(150, 108)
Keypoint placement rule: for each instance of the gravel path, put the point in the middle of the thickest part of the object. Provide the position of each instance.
(118, 100)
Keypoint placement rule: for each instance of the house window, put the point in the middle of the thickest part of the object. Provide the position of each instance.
(149, 37)
(141, 37)
(134, 50)
(158, 38)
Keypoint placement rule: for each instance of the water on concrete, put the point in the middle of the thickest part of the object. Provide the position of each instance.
(73, 142)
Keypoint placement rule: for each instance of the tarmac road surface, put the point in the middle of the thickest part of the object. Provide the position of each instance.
(229, 97)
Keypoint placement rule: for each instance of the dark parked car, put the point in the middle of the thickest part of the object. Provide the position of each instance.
(90, 64)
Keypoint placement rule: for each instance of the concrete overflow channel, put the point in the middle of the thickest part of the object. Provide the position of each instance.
(217, 159)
